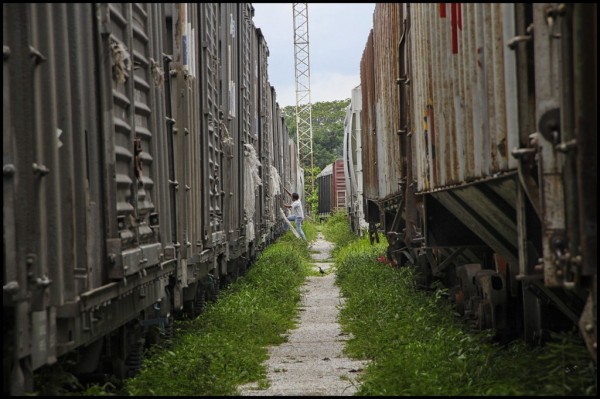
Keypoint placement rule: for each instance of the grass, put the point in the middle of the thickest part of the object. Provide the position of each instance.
(337, 230)
(415, 344)
(418, 347)
(226, 345)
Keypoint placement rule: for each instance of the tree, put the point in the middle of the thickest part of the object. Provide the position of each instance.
(328, 129)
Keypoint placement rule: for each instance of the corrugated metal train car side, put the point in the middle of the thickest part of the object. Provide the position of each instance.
(128, 197)
(477, 120)
(324, 187)
(352, 155)
(331, 184)
(338, 200)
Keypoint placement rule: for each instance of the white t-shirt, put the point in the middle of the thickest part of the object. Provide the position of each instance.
(297, 209)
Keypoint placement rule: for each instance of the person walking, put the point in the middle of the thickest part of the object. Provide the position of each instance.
(296, 213)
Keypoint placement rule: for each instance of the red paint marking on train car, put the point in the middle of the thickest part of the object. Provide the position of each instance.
(453, 23)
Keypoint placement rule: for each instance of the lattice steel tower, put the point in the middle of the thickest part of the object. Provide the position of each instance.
(303, 104)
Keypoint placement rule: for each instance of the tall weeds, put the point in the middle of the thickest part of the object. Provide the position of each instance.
(226, 345)
(418, 347)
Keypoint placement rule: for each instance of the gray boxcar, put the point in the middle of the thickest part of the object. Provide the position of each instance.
(126, 130)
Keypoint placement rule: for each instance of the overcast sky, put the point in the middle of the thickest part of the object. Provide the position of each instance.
(337, 35)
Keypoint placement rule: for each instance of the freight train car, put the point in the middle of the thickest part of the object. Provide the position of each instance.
(331, 184)
(143, 148)
(352, 155)
(479, 157)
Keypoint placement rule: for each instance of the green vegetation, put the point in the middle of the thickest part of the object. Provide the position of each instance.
(415, 344)
(328, 129)
(312, 198)
(328, 138)
(227, 344)
(418, 347)
(337, 230)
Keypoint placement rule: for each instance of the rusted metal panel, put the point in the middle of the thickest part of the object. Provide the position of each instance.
(368, 132)
(418, 69)
(339, 185)
(386, 36)
(513, 128)
(468, 48)
(464, 86)
(331, 183)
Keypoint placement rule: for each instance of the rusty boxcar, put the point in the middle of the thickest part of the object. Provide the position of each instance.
(479, 156)
(331, 184)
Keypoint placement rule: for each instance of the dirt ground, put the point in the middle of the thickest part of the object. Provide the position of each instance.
(311, 362)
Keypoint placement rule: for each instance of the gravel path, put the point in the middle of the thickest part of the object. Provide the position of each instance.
(311, 362)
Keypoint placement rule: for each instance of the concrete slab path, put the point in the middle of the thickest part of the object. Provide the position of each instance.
(311, 362)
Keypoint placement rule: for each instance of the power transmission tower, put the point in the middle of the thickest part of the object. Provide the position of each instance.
(303, 104)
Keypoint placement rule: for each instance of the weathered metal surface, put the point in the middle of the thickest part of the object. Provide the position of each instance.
(212, 147)
(264, 120)
(133, 124)
(117, 165)
(352, 155)
(548, 97)
(280, 141)
(331, 184)
(296, 173)
(585, 120)
(368, 133)
(496, 104)
(338, 200)
(324, 187)
(234, 34)
(558, 118)
(464, 87)
(387, 28)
